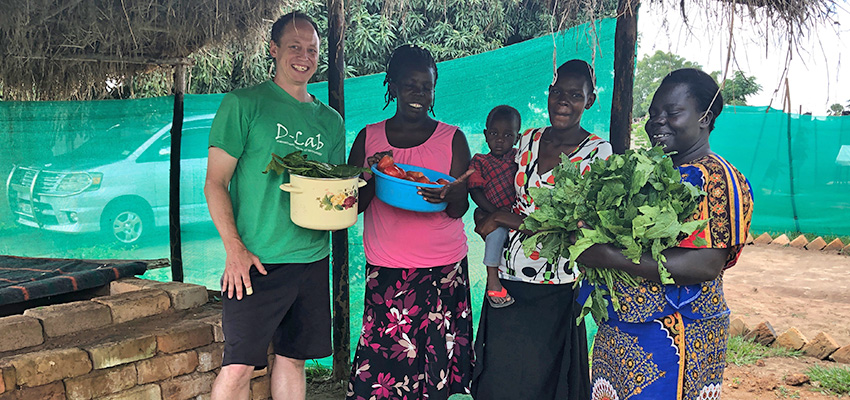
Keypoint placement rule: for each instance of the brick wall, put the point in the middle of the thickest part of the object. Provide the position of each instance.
(146, 340)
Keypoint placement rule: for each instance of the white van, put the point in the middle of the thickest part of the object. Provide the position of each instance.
(117, 187)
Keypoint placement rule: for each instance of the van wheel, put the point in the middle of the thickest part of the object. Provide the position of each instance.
(126, 223)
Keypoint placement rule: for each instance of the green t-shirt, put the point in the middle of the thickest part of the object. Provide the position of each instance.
(250, 125)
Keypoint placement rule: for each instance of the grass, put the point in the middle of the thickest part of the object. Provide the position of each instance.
(784, 393)
(745, 352)
(318, 372)
(830, 380)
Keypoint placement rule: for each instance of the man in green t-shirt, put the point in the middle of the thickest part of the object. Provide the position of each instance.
(275, 281)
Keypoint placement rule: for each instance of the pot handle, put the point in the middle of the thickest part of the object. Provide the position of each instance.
(286, 187)
(361, 182)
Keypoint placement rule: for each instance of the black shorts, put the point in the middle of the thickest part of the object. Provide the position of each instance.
(290, 308)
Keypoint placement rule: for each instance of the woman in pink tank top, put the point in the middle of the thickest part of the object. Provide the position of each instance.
(417, 322)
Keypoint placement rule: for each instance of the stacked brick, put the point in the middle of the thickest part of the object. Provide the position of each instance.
(145, 340)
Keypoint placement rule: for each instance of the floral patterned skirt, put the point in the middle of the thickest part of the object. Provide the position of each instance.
(673, 357)
(416, 337)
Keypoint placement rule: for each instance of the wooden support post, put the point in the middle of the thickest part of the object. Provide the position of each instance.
(336, 99)
(625, 42)
(174, 174)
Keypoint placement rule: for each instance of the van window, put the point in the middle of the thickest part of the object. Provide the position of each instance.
(195, 142)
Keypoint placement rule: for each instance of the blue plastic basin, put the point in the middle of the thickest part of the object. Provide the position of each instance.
(401, 193)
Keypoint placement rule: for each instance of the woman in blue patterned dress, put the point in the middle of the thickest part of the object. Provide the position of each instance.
(669, 341)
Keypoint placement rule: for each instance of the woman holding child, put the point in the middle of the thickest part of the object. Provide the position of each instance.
(533, 348)
(417, 324)
(669, 341)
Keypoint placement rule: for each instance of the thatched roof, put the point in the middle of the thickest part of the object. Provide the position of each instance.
(61, 49)
(65, 48)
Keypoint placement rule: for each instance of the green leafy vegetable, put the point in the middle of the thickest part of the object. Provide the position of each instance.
(298, 164)
(635, 201)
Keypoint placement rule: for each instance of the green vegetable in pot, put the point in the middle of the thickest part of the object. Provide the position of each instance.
(298, 164)
(635, 201)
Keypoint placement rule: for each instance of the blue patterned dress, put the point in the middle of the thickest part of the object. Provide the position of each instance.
(669, 341)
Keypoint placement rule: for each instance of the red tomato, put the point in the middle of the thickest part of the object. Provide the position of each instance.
(442, 181)
(395, 171)
(385, 162)
(416, 175)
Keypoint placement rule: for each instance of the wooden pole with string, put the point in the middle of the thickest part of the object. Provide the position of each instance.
(339, 239)
(625, 37)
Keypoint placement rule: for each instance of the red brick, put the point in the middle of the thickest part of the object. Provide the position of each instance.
(146, 392)
(43, 367)
(738, 327)
(7, 378)
(841, 355)
(101, 383)
(62, 319)
(187, 386)
(167, 366)
(18, 332)
(834, 245)
(210, 357)
(134, 305)
(184, 336)
(261, 388)
(781, 240)
(762, 334)
(183, 295)
(846, 250)
(821, 346)
(791, 339)
(764, 238)
(125, 285)
(799, 242)
(127, 350)
(215, 322)
(817, 244)
(53, 391)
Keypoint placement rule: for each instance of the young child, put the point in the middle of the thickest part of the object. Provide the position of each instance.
(492, 188)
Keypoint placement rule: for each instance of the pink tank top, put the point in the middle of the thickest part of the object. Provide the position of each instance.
(397, 238)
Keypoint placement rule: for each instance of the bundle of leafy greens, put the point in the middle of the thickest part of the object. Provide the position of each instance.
(298, 164)
(635, 201)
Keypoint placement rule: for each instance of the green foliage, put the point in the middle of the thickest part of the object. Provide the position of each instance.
(450, 30)
(640, 139)
(744, 352)
(297, 163)
(635, 201)
(836, 109)
(831, 380)
(649, 71)
(737, 88)
(318, 372)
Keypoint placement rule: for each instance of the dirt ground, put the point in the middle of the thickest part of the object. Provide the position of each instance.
(787, 287)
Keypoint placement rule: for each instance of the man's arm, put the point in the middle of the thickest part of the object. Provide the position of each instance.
(357, 158)
(220, 168)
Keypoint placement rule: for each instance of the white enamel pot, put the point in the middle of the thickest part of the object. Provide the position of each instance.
(324, 204)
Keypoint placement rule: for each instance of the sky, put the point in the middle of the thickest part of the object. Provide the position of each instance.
(818, 72)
